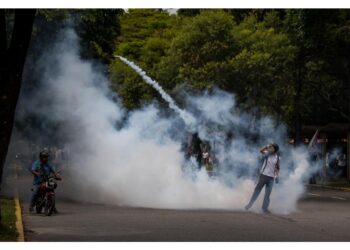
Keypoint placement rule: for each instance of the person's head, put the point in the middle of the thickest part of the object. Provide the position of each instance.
(273, 148)
(44, 156)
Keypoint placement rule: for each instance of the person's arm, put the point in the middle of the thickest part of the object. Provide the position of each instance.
(57, 176)
(35, 169)
(55, 173)
(263, 149)
(36, 173)
(277, 170)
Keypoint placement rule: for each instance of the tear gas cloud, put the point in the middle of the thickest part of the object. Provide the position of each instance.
(141, 163)
(186, 117)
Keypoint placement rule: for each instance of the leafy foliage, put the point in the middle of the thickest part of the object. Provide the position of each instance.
(292, 64)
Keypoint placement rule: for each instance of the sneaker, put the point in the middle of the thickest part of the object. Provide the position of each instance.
(31, 209)
(266, 211)
(247, 207)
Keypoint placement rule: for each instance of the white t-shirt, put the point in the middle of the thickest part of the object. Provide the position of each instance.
(269, 170)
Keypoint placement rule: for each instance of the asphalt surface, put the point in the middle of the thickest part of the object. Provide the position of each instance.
(324, 215)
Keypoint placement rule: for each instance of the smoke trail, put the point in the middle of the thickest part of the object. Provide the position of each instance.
(140, 163)
(189, 120)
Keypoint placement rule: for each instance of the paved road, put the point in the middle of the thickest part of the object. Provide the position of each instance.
(324, 215)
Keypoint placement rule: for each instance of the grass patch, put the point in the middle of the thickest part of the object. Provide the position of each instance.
(8, 230)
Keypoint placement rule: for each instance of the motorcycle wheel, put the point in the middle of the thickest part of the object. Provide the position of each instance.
(50, 204)
(39, 206)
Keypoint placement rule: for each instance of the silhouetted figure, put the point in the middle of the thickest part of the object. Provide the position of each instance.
(196, 149)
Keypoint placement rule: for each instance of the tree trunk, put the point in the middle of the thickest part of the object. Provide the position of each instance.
(11, 67)
(3, 36)
(297, 99)
(298, 125)
(3, 47)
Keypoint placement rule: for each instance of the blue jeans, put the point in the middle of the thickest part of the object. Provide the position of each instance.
(35, 194)
(263, 181)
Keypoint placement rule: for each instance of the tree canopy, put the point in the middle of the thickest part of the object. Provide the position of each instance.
(292, 64)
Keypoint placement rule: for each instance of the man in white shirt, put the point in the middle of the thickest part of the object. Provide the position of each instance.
(268, 173)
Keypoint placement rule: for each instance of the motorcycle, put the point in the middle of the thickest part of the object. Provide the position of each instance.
(46, 196)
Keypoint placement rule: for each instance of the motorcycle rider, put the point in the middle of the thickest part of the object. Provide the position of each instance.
(39, 169)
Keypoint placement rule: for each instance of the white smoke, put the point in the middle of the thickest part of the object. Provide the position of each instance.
(141, 163)
(189, 120)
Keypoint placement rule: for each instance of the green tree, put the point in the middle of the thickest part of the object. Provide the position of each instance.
(292, 64)
(144, 39)
(328, 68)
(261, 69)
(98, 30)
(201, 50)
(320, 70)
(251, 60)
(188, 12)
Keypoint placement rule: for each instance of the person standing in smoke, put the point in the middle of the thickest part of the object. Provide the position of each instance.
(267, 175)
(196, 149)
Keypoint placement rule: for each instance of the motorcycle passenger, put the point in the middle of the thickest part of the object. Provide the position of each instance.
(39, 169)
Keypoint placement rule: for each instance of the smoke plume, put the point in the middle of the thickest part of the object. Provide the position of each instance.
(141, 162)
(187, 117)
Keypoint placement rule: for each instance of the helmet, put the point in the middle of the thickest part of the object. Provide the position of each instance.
(44, 153)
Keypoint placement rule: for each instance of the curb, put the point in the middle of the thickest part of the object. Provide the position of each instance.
(329, 187)
(19, 222)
